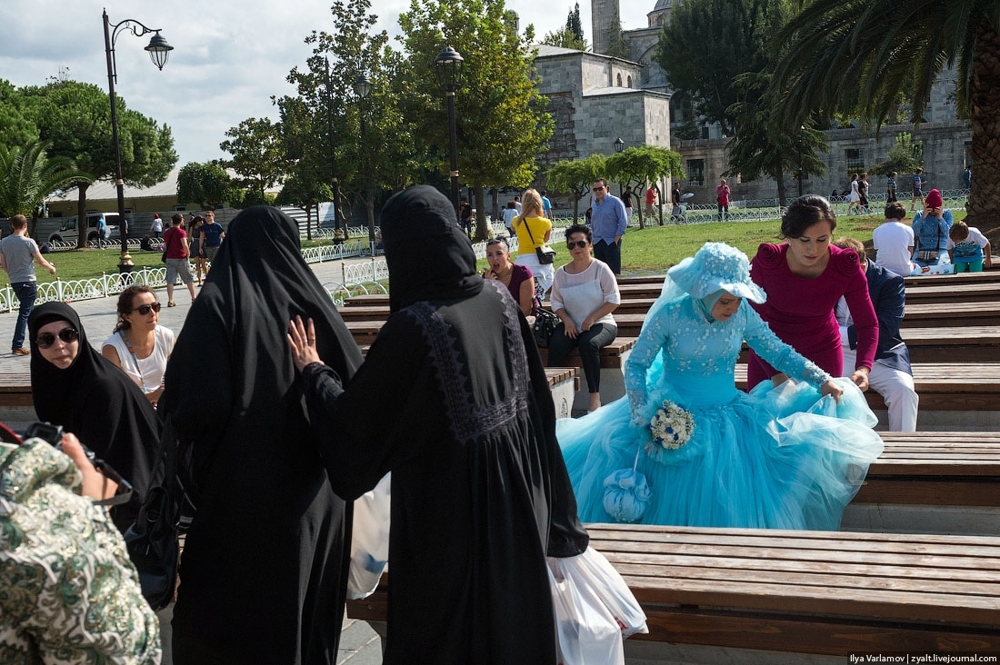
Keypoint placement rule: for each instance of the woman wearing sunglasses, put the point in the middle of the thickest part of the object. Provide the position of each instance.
(76, 387)
(139, 345)
(584, 294)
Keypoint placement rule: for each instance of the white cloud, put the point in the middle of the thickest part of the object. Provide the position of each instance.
(229, 56)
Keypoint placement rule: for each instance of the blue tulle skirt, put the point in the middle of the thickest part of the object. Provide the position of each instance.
(782, 458)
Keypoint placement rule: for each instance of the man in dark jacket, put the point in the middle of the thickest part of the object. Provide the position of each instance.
(891, 375)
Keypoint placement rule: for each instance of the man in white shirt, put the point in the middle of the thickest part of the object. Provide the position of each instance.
(893, 241)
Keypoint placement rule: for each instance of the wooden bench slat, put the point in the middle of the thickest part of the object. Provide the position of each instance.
(813, 572)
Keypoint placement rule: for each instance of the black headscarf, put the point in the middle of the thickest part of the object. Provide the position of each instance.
(428, 255)
(99, 403)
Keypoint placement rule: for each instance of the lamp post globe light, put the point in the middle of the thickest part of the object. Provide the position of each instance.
(159, 50)
(362, 87)
(448, 67)
(619, 144)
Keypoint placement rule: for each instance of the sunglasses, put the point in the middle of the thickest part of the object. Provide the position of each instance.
(579, 243)
(47, 339)
(144, 308)
(598, 189)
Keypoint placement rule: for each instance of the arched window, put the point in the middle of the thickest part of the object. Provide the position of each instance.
(619, 80)
(629, 82)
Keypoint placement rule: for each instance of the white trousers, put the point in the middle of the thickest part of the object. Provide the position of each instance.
(895, 387)
(544, 275)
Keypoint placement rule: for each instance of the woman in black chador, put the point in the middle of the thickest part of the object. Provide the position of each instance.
(453, 400)
(264, 565)
(76, 387)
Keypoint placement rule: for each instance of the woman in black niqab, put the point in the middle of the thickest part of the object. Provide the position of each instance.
(264, 564)
(100, 404)
(453, 400)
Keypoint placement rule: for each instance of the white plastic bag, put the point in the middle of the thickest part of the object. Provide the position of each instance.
(370, 540)
(593, 569)
(586, 630)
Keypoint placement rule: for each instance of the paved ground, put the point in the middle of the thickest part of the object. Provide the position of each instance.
(98, 315)
(359, 644)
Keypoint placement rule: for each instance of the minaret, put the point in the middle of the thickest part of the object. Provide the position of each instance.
(601, 12)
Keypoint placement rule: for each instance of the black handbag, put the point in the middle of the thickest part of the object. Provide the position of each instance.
(545, 324)
(152, 540)
(546, 255)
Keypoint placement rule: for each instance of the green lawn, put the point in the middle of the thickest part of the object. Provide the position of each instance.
(654, 248)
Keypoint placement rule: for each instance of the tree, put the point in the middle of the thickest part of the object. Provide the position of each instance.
(206, 184)
(16, 129)
(569, 36)
(763, 145)
(564, 38)
(873, 48)
(708, 43)
(76, 119)
(617, 48)
(306, 192)
(575, 25)
(575, 177)
(903, 157)
(645, 164)
(322, 126)
(256, 155)
(502, 123)
(28, 177)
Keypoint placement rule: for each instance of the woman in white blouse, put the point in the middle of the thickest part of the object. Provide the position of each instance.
(584, 294)
(139, 345)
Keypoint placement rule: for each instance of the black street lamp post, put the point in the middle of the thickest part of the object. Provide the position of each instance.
(448, 65)
(362, 86)
(159, 50)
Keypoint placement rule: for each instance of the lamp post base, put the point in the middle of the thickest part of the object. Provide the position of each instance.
(125, 264)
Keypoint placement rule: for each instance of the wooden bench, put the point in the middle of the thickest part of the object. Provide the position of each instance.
(16, 402)
(931, 482)
(769, 596)
(986, 276)
(954, 293)
(967, 398)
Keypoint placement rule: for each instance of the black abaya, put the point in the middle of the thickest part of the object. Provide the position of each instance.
(262, 575)
(98, 403)
(453, 400)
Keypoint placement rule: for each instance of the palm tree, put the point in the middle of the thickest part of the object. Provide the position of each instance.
(28, 176)
(856, 56)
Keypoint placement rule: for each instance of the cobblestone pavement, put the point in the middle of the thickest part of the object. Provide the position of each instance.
(359, 644)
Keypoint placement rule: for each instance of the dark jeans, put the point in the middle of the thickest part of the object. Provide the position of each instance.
(26, 293)
(723, 211)
(610, 254)
(590, 342)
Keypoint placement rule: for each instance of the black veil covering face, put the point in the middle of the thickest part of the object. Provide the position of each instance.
(265, 558)
(453, 399)
(100, 404)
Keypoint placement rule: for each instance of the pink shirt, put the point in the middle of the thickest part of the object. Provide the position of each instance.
(722, 194)
(801, 311)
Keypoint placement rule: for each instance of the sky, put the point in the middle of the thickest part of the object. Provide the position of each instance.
(229, 57)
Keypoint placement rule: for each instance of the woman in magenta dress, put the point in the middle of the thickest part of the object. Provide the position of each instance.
(803, 278)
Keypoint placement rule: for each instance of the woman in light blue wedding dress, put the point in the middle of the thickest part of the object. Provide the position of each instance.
(786, 457)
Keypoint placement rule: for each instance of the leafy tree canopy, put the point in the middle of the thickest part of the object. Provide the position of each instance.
(75, 119)
(502, 123)
(564, 38)
(16, 127)
(708, 43)
(575, 177)
(904, 157)
(644, 164)
(205, 184)
(256, 155)
(28, 177)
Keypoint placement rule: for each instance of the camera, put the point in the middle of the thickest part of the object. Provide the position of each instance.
(46, 432)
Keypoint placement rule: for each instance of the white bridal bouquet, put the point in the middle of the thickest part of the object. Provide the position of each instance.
(671, 426)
